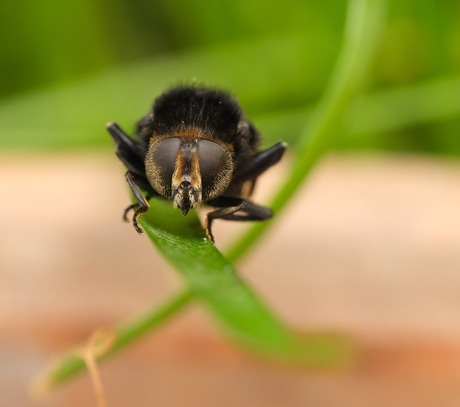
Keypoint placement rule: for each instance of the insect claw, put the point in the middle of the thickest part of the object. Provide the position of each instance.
(137, 227)
(207, 228)
(210, 236)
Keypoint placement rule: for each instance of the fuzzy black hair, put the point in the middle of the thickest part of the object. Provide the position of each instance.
(212, 111)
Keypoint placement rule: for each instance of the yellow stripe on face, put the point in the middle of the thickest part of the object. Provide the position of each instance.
(187, 166)
(186, 179)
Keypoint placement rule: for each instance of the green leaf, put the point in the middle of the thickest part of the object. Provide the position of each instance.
(214, 281)
(235, 306)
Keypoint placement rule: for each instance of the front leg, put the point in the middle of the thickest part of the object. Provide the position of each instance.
(142, 204)
(135, 205)
(229, 208)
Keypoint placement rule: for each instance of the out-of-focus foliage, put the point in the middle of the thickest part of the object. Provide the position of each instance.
(68, 67)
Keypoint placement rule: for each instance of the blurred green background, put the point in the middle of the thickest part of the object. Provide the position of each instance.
(69, 67)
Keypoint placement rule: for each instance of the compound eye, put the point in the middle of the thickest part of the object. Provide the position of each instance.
(165, 153)
(215, 167)
(160, 163)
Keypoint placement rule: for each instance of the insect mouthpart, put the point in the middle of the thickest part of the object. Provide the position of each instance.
(186, 196)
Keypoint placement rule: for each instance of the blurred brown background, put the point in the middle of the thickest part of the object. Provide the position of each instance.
(370, 247)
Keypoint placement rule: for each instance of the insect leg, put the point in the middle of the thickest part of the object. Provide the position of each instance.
(134, 206)
(262, 161)
(142, 204)
(127, 149)
(120, 137)
(229, 208)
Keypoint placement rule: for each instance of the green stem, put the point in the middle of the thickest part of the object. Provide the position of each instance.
(72, 363)
(362, 28)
